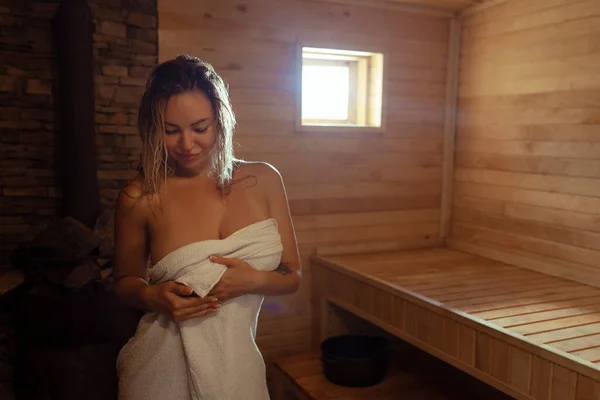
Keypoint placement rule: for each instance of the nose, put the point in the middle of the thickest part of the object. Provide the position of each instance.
(187, 141)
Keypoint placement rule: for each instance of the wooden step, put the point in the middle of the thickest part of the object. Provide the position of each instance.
(410, 376)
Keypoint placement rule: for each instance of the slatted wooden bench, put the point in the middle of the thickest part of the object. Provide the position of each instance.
(531, 335)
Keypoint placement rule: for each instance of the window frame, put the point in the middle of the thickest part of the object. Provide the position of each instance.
(370, 66)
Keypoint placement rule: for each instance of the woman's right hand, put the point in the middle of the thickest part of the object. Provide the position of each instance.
(176, 300)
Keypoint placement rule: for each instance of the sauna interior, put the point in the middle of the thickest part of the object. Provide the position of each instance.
(452, 204)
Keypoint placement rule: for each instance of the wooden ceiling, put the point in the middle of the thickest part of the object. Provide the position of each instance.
(446, 8)
(452, 5)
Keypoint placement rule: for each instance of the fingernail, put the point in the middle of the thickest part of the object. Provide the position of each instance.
(212, 257)
(214, 299)
(217, 306)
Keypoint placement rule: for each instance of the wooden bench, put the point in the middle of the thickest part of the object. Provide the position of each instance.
(410, 376)
(532, 336)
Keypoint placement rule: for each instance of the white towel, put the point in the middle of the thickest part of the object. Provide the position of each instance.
(209, 358)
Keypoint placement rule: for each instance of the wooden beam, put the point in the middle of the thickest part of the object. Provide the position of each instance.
(396, 7)
(480, 6)
(443, 4)
(450, 125)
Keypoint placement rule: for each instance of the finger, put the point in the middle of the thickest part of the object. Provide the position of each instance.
(181, 289)
(221, 296)
(217, 294)
(187, 312)
(196, 315)
(224, 260)
(192, 302)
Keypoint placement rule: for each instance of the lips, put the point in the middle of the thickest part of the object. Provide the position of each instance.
(187, 156)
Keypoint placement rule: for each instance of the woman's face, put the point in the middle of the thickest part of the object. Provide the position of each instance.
(189, 131)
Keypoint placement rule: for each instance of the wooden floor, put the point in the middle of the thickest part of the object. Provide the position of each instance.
(412, 375)
(547, 310)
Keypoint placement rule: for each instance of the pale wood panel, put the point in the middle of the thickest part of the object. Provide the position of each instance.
(551, 233)
(408, 88)
(530, 68)
(530, 115)
(495, 10)
(283, 129)
(588, 205)
(265, 17)
(347, 190)
(587, 389)
(564, 383)
(314, 145)
(588, 150)
(523, 16)
(339, 160)
(359, 190)
(319, 173)
(566, 99)
(527, 140)
(527, 86)
(529, 163)
(373, 232)
(541, 372)
(569, 185)
(528, 51)
(547, 45)
(551, 133)
(365, 219)
(524, 243)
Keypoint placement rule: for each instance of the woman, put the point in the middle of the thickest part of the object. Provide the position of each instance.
(218, 236)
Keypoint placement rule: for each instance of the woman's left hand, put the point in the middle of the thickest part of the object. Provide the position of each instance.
(239, 279)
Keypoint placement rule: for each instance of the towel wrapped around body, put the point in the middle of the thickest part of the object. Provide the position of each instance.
(208, 358)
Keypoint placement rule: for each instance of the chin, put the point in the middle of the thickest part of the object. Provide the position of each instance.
(195, 165)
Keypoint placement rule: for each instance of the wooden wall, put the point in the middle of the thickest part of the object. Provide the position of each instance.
(527, 178)
(346, 190)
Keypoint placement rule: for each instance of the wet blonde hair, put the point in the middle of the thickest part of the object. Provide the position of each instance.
(184, 73)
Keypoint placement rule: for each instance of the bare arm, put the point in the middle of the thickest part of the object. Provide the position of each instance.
(131, 248)
(287, 277)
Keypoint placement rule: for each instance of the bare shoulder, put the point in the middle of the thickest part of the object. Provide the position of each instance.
(131, 199)
(266, 174)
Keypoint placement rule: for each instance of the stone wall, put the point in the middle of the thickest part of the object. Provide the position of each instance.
(125, 48)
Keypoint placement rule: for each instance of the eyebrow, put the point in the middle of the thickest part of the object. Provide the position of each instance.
(194, 123)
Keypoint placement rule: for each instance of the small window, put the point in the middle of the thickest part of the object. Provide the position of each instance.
(341, 88)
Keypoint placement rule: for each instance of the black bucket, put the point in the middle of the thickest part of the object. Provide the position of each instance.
(354, 360)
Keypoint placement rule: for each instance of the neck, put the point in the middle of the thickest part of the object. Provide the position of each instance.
(200, 172)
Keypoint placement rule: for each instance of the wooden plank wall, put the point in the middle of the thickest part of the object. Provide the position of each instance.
(527, 176)
(346, 190)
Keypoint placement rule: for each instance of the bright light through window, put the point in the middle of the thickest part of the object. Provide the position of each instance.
(325, 92)
(339, 88)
